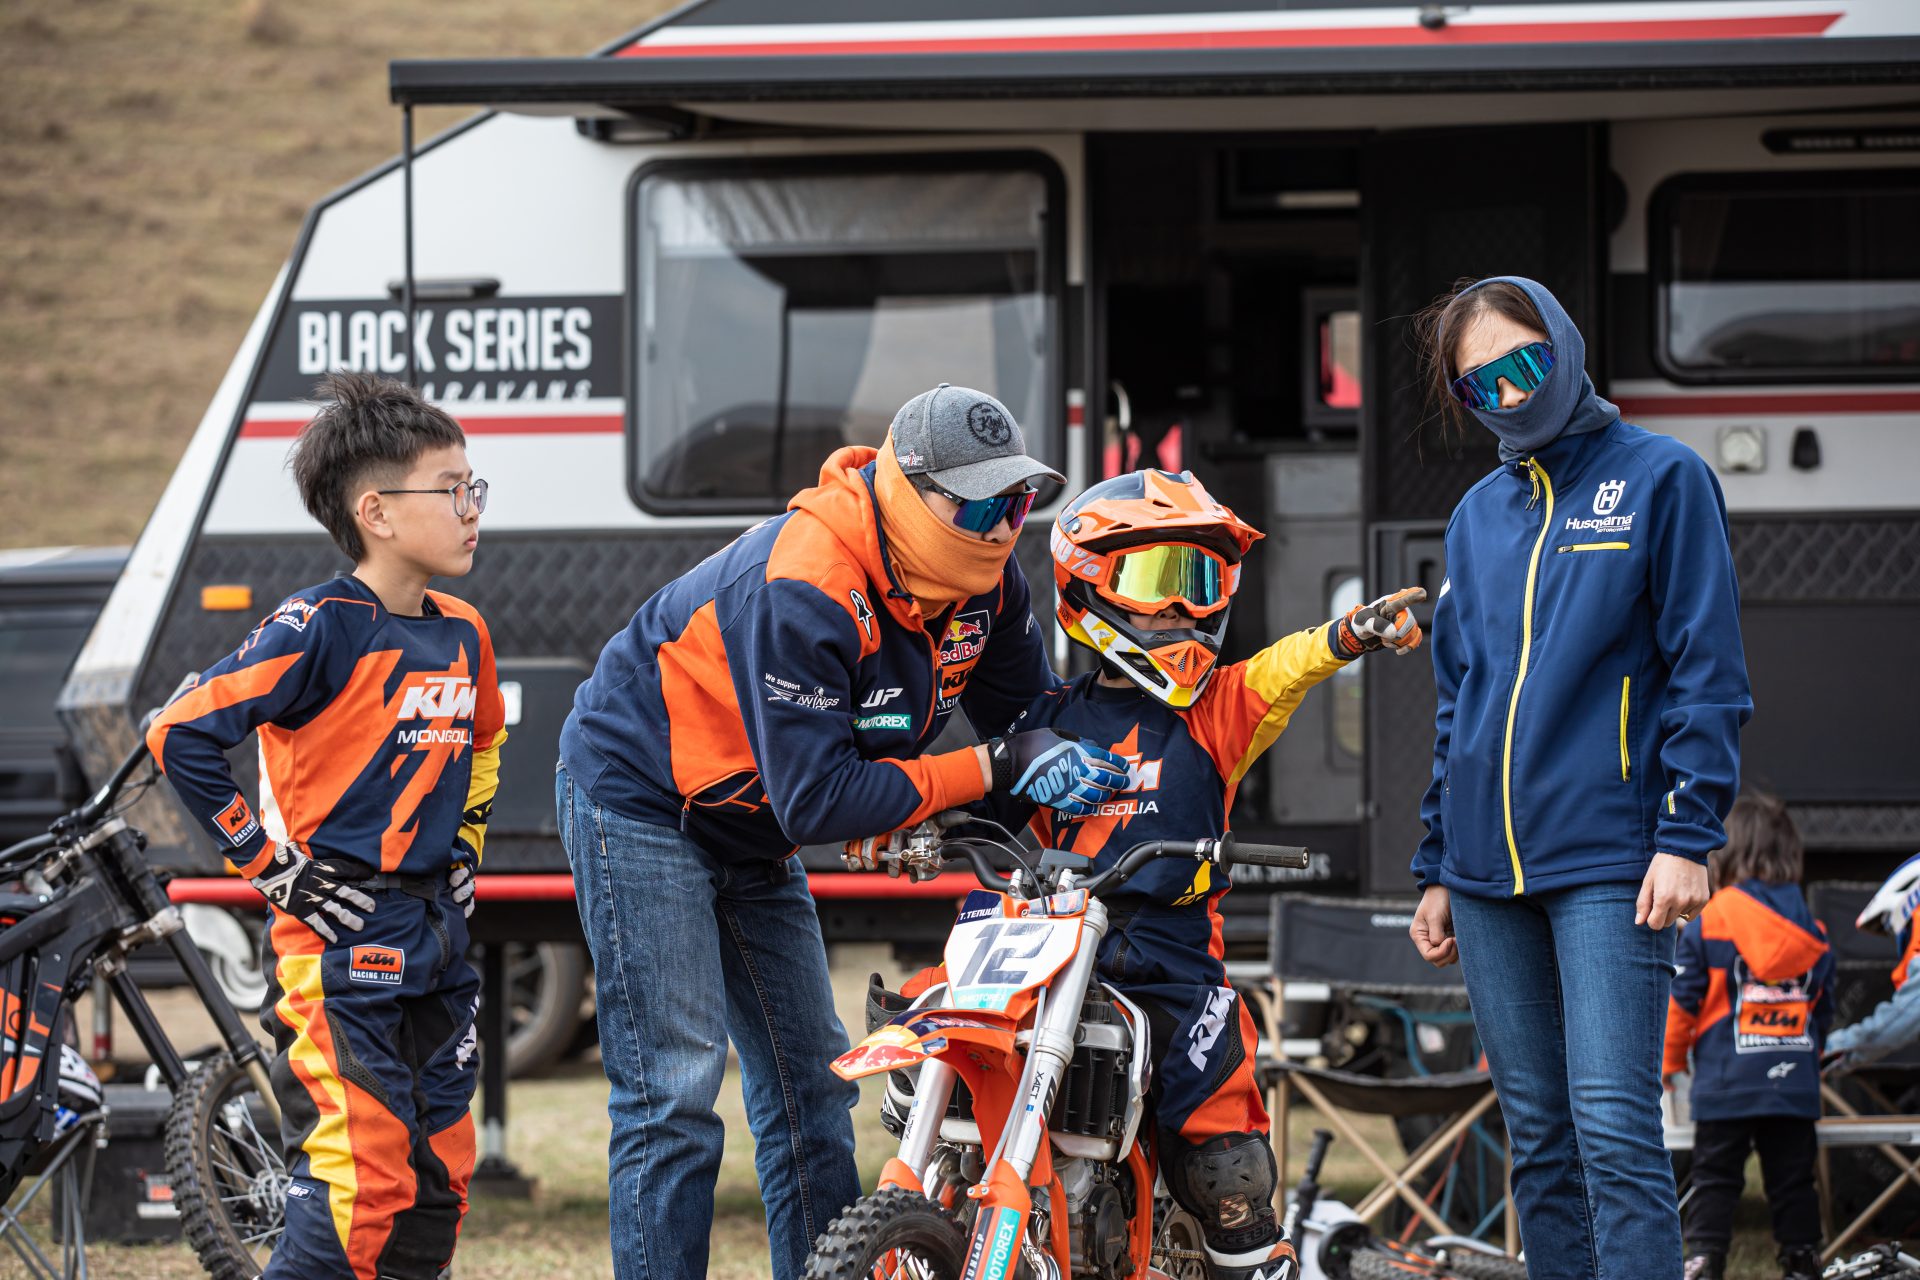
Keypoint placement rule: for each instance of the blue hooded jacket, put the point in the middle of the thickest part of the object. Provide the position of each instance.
(1751, 1004)
(1586, 651)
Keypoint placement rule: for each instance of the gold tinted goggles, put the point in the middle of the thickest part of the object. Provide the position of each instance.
(1148, 579)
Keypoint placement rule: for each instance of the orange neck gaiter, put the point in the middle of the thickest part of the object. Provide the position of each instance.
(938, 564)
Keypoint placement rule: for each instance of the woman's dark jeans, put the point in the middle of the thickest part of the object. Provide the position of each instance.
(1570, 1000)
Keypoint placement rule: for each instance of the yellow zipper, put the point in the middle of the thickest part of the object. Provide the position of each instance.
(1596, 546)
(1540, 481)
(1626, 769)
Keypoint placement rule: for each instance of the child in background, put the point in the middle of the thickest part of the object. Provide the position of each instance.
(1751, 1005)
(380, 724)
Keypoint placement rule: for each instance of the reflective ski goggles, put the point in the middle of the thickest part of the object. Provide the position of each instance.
(1148, 579)
(1525, 367)
(980, 515)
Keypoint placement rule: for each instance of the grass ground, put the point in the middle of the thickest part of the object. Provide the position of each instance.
(156, 159)
(559, 1132)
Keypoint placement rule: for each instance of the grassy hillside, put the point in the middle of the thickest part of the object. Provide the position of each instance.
(156, 158)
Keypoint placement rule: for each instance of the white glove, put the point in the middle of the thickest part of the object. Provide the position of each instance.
(460, 880)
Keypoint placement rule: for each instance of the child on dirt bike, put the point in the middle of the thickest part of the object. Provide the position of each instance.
(380, 722)
(1146, 565)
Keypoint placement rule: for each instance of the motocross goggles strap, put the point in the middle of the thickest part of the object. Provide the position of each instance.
(1525, 367)
(1148, 579)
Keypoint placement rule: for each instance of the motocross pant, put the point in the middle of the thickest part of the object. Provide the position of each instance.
(374, 1075)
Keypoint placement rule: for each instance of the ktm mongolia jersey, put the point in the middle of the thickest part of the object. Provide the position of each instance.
(379, 734)
(1183, 767)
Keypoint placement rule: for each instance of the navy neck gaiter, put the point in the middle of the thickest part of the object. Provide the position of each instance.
(1565, 404)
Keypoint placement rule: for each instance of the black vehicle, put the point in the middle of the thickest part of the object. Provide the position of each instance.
(76, 900)
(49, 598)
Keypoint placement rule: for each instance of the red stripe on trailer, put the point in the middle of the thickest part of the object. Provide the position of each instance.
(1762, 405)
(579, 424)
(1638, 30)
(230, 891)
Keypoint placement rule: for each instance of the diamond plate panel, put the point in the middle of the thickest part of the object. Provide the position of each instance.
(1824, 560)
(1894, 827)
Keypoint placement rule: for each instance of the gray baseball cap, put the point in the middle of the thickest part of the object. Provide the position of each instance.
(965, 441)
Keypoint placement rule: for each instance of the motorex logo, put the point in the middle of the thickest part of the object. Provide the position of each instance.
(996, 1260)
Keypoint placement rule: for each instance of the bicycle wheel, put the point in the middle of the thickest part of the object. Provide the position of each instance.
(1469, 1265)
(229, 1173)
(893, 1234)
(1371, 1264)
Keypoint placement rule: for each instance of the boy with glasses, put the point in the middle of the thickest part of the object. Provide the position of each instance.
(380, 723)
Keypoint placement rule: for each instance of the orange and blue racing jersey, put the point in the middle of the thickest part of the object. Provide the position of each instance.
(1751, 1004)
(784, 691)
(1183, 767)
(379, 734)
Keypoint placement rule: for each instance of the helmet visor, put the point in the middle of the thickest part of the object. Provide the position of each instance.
(1148, 579)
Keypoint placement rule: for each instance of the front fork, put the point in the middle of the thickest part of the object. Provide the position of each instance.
(1005, 1203)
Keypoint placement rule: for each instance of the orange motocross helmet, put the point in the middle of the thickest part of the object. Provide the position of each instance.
(1139, 543)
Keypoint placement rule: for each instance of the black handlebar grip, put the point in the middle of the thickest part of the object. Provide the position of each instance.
(1271, 855)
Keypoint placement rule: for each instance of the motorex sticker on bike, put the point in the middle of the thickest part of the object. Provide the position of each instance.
(990, 961)
(993, 1251)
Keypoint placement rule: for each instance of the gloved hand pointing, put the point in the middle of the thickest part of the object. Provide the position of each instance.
(1386, 621)
(1043, 767)
(310, 893)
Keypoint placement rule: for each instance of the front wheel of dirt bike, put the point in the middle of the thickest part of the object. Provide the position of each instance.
(893, 1232)
(229, 1173)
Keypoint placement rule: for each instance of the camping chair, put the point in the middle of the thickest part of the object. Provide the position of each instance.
(1359, 948)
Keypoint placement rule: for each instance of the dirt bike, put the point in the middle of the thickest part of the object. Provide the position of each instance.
(1021, 1145)
(73, 903)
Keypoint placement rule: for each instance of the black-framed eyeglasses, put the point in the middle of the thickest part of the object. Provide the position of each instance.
(466, 494)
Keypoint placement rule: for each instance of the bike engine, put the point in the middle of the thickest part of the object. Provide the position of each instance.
(1097, 1200)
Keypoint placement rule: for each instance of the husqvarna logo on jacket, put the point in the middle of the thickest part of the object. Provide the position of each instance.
(1607, 497)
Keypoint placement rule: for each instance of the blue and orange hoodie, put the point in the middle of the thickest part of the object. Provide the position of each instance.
(783, 691)
(1752, 1004)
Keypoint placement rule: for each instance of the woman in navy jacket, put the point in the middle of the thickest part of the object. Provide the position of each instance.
(1592, 685)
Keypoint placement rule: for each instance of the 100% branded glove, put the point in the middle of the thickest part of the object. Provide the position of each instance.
(1042, 767)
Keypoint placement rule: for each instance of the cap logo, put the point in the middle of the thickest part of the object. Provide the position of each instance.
(910, 458)
(988, 424)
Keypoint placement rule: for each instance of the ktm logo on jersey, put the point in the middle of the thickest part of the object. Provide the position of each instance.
(237, 820)
(1142, 775)
(438, 698)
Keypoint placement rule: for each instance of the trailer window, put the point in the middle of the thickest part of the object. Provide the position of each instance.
(1812, 277)
(784, 314)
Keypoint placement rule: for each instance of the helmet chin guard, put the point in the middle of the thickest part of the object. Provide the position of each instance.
(1125, 516)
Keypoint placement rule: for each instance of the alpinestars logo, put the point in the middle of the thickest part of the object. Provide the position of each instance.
(1206, 1031)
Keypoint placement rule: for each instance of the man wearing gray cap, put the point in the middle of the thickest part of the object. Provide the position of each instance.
(783, 693)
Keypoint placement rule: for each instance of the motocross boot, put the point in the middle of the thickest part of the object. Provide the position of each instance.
(1801, 1262)
(1273, 1261)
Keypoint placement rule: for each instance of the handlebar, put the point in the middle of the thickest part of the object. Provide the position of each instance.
(1223, 852)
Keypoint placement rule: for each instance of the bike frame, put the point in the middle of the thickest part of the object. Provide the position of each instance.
(104, 900)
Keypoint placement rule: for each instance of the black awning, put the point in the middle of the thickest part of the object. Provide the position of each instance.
(649, 81)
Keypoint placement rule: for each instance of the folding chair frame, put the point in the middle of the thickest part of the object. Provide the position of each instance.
(1909, 1171)
(71, 1219)
(1395, 1183)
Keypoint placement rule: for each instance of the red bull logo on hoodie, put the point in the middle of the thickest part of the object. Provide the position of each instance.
(965, 637)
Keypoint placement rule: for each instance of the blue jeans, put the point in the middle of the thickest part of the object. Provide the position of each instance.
(689, 951)
(1570, 1000)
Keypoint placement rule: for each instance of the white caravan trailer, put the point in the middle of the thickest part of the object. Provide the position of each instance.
(659, 284)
